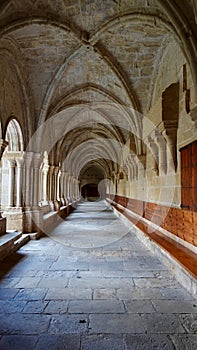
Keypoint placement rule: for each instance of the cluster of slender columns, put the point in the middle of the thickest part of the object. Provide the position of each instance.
(23, 183)
(132, 166)
(33, 181)
(61, 186)
(162, 146)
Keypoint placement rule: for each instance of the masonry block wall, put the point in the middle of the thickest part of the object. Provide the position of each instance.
(167, 196)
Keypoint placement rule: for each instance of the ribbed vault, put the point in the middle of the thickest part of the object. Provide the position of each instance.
(88, 71)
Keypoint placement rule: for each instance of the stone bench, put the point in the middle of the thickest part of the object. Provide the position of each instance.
(181, 260)
(9, 243)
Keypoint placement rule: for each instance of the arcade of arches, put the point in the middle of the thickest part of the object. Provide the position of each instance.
(98, 99)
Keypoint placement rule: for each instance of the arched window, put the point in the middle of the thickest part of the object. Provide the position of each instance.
(14, 136)
(11, 196)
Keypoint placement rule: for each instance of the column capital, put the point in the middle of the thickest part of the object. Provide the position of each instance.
(11, 162)
(19, 162)
(28, 156)
(56, 169)
(36, 160)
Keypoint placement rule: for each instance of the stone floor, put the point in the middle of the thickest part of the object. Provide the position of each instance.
(92, 285)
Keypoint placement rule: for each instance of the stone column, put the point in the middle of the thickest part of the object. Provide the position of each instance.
(28, 193)
(56, 186)
(12, 164)
(44, 184)
(19, 181)
(3, 145)
(171, 137)
(68, 188)
(161, 142)
(134, 165)
(62, 187)
(141, 165)
(51, 183)
(36, 169)
(78, 193)
(71, 188)
(154, 152)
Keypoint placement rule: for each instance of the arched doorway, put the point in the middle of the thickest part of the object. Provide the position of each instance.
(90, 192)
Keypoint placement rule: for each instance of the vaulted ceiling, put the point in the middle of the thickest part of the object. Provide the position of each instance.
(95, 55)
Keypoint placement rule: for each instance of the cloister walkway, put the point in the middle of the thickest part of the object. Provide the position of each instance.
(91, 284)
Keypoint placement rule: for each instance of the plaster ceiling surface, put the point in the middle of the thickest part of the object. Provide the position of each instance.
(88, 51)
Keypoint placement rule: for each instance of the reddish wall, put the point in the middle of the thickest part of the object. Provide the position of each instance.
(180, 222)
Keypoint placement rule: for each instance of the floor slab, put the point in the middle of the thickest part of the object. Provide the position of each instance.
(91, 284)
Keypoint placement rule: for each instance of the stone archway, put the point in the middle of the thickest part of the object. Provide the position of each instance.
(12, 166)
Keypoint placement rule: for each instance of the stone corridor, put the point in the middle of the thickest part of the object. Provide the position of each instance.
(92, 285)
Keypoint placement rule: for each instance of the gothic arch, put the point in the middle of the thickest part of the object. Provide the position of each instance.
(14, 136)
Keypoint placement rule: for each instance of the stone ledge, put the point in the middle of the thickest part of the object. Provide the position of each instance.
(8, 243)
(180, 260)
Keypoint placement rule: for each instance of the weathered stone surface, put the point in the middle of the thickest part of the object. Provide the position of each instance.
(184, 341)
(69, 293)
(139, 306)
(11, 306)
(148, 342)
(111, 305)
(68, 324)
(58, 342)
(116, 323)
(18, 342)
(189, 322)
(175, 306)
(96, 307)
(162, 323)
(24, 324)
(34, 307)
(31, 294)
(103, 342)
(56, 307)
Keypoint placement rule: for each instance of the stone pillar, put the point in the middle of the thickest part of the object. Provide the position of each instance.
(66, 185)
(36, 169)
(51, 183)
(141, 166)
(171, 137)
(161, 142)
(62, 187)
(3, 145)
(134, 166)
(19, 182)
(68, 188)
(44, 184)
(78, 193)
(12, 164)
(154, 152)
(28, 193)
(71, 188)
(56, 187)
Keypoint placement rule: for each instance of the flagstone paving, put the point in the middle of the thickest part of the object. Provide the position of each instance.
(93, 285)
